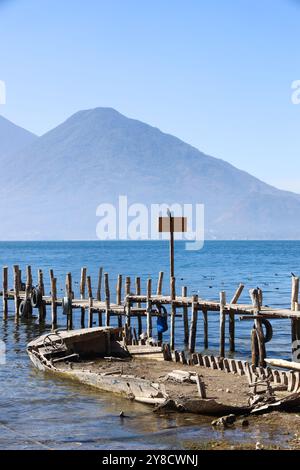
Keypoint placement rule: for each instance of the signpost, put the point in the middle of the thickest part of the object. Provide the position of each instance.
(172, 224)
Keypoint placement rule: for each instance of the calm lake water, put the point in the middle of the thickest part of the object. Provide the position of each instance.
(41, 411)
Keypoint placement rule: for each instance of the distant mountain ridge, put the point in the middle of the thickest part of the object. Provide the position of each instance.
(13, 138)
(52, 187)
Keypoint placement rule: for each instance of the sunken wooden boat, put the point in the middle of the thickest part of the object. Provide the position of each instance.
(98, 357)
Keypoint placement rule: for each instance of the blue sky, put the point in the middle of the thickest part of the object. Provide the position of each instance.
(215, 73)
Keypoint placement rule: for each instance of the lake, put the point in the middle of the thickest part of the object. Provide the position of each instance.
(41, 411)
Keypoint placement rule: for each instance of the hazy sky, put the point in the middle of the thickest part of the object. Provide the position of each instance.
(215, 73)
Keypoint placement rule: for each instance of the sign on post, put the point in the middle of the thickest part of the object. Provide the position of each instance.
(172, 224)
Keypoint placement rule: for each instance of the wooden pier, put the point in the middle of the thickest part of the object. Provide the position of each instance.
(130, 303)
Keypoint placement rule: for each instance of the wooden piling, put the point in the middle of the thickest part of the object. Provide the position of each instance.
(119, 297)
(254, 294)
(20, 280)
(16, 291)
(295, 336)
(193, 325)
(90, 298)
(53, 302)
(237, 294)
(185, 317)
(295, 293)
(28, 291)
(69, 295)
(107, 299)
(254, 348)
(127, 303)
(82, 295)
(149, 308)
(5, 291)
(205, 327)
(42, 306)
(159, 283)
(231, 331)
(99, 285)
(138, 292)
(222, 323)
(173, 313)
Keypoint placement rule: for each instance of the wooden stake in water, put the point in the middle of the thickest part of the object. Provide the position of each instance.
(16, 291)
(53, 303)
(5, 292)
(119, 298)
(138, 292)
(193, 326)
(149, 308)
(159, 283)
(90, 297)
(222, 323)
(185, 316)
(173, 313)
(99, 284)
(107, 300)
(205, 327)
(42, 306)
(82, 295)
(69, 295)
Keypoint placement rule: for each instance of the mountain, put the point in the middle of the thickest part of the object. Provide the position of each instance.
(13, 138)
(51, 188)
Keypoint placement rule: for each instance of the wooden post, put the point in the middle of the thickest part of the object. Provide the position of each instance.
(159, 283)
(138, 292)
(107, 300)
(295, 293)
(222, 323)
(5, 292)
(173, 313)
(200, 386)
(128, 316)
(99, 284)
(82, 295)
(119, 290)
(27, 312)
(127, 303)
(149, 308)
(254, 348)
(119, 298)
(20, 280)
(205, 327)
(53, 302)
(90, 297)
(127, 285)
(254, 294)
(185, 317)
(237, 294)
(171, 245)
(42, 307)
(69, 294)
(231, 331)
(295, 330)
(17, 291)
(193, 325)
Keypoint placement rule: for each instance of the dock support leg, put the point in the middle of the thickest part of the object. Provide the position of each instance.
(222, 323)
(5, 292)
(185, 310)
(231, 332)
(205, 327)
(193, 325)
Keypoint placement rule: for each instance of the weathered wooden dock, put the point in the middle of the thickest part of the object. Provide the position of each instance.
(131, 303)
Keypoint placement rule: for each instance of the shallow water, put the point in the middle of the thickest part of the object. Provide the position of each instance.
(42, 411)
